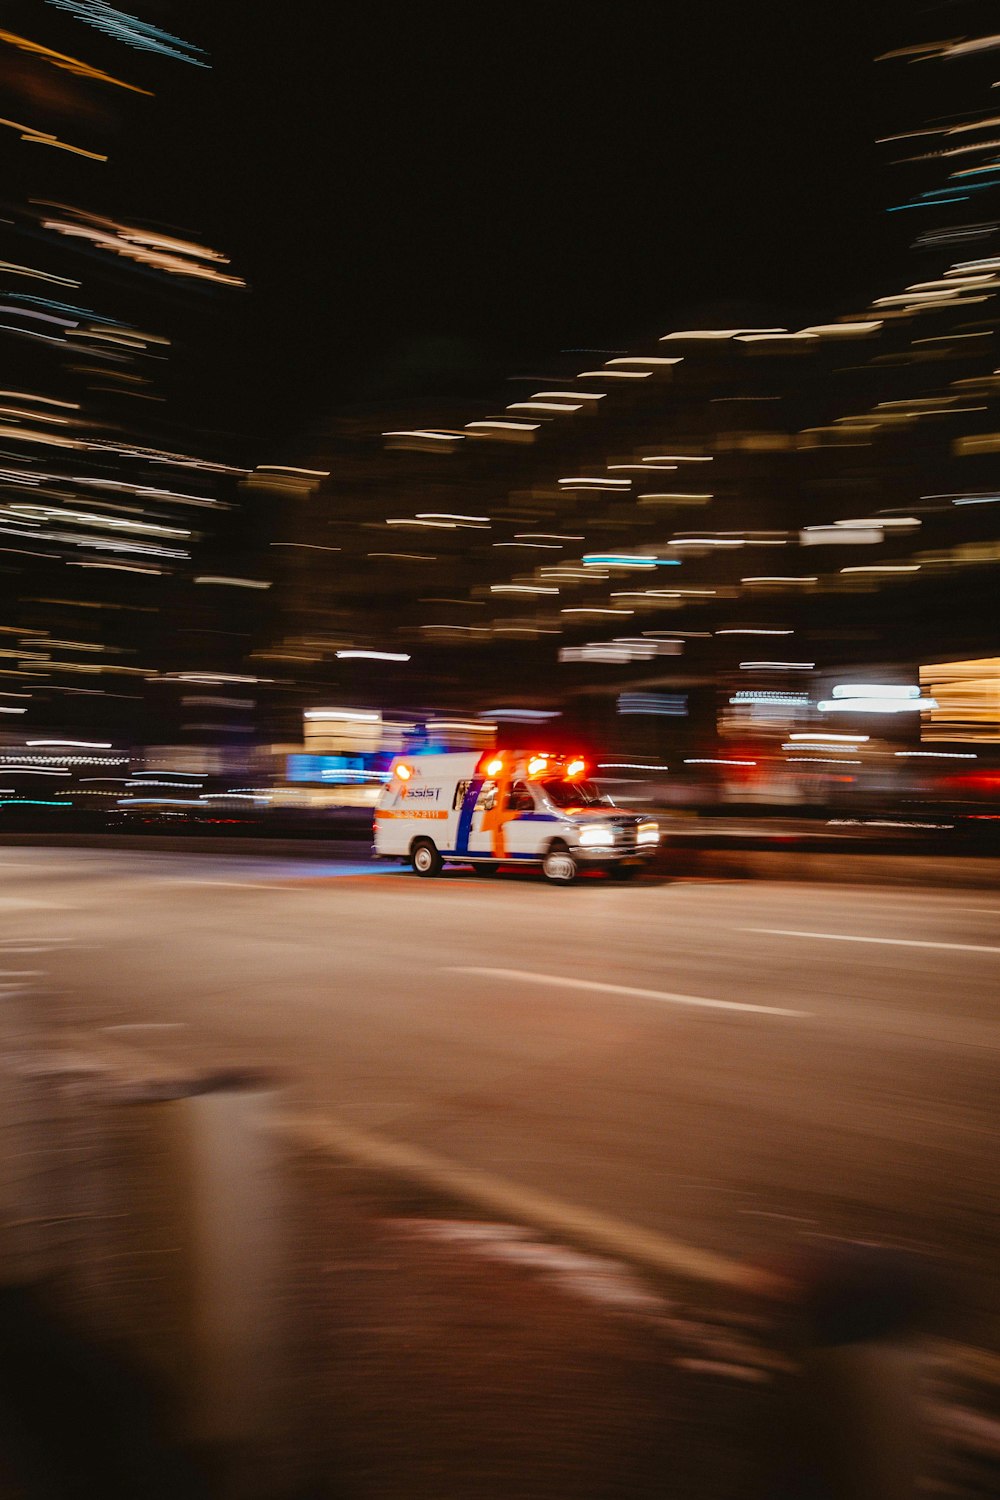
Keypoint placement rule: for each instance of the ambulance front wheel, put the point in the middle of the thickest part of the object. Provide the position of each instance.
(559, 866)
(425, 858)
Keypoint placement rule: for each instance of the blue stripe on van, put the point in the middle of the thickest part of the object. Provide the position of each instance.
(465, 817)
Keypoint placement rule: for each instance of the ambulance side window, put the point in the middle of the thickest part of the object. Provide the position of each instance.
(519, 798)
(486, 800)
(461, 791)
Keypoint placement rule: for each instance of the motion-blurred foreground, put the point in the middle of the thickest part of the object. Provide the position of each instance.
(319, 1179)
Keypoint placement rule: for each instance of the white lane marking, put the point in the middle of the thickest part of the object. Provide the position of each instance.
(848, 937)
(7, 949)
(237, 885)
(23, 903)
(148, 1026)
(665, 996)
(21, 973)
(8, 943)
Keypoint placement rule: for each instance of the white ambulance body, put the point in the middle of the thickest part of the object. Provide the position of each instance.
(506, 807)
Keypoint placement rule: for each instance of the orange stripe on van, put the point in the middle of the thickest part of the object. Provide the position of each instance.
(416, 812)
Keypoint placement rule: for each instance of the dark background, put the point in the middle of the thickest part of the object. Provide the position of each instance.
(425, 198)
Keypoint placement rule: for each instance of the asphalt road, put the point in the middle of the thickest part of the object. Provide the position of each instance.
(737, 1065)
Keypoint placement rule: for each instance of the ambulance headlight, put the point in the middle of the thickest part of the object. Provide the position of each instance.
(647, 833)
(596, 836)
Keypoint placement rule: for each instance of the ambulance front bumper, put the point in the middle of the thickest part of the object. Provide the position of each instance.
(605, 846)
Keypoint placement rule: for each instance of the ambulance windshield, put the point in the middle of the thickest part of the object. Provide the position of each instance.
(575, 794)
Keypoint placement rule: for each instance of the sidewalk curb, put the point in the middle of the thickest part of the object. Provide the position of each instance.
(855, 865)
(436, 1181)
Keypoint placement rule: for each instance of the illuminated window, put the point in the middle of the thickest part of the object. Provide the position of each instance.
(966, 695)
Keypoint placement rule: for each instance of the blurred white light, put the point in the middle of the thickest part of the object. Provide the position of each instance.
(600, 483)
(81, 744)
(236, 583)
(937, 754)
(614, 374)
(444, 515)
(521, 588)
(377, 655)
(709, 761)
(568, 395)
(478, 727)
(819, 760)
(827, 749)
(784, 700)
(875, 690)
(715, 333)
(869, 705)
(13, 770)
(544, 406)
(777, 666)
(522, 715)
(847, 739)
(627, 765)
(350, 716)
(642, 360)
(516, 426)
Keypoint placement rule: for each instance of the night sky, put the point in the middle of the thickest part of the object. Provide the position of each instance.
(425, 198)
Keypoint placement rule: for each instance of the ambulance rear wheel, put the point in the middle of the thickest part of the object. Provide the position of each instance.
(425, 858)
(559, 866)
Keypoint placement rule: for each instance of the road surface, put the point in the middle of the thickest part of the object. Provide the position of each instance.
(740, 1066)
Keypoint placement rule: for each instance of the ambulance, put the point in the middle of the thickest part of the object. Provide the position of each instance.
(506, 807)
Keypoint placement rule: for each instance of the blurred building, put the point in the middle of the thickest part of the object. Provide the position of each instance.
(765, 557)
(125, 604)
(697, 548)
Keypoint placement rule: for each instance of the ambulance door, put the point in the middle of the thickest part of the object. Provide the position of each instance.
(506, 823)
(523, 824)
(483, 823)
